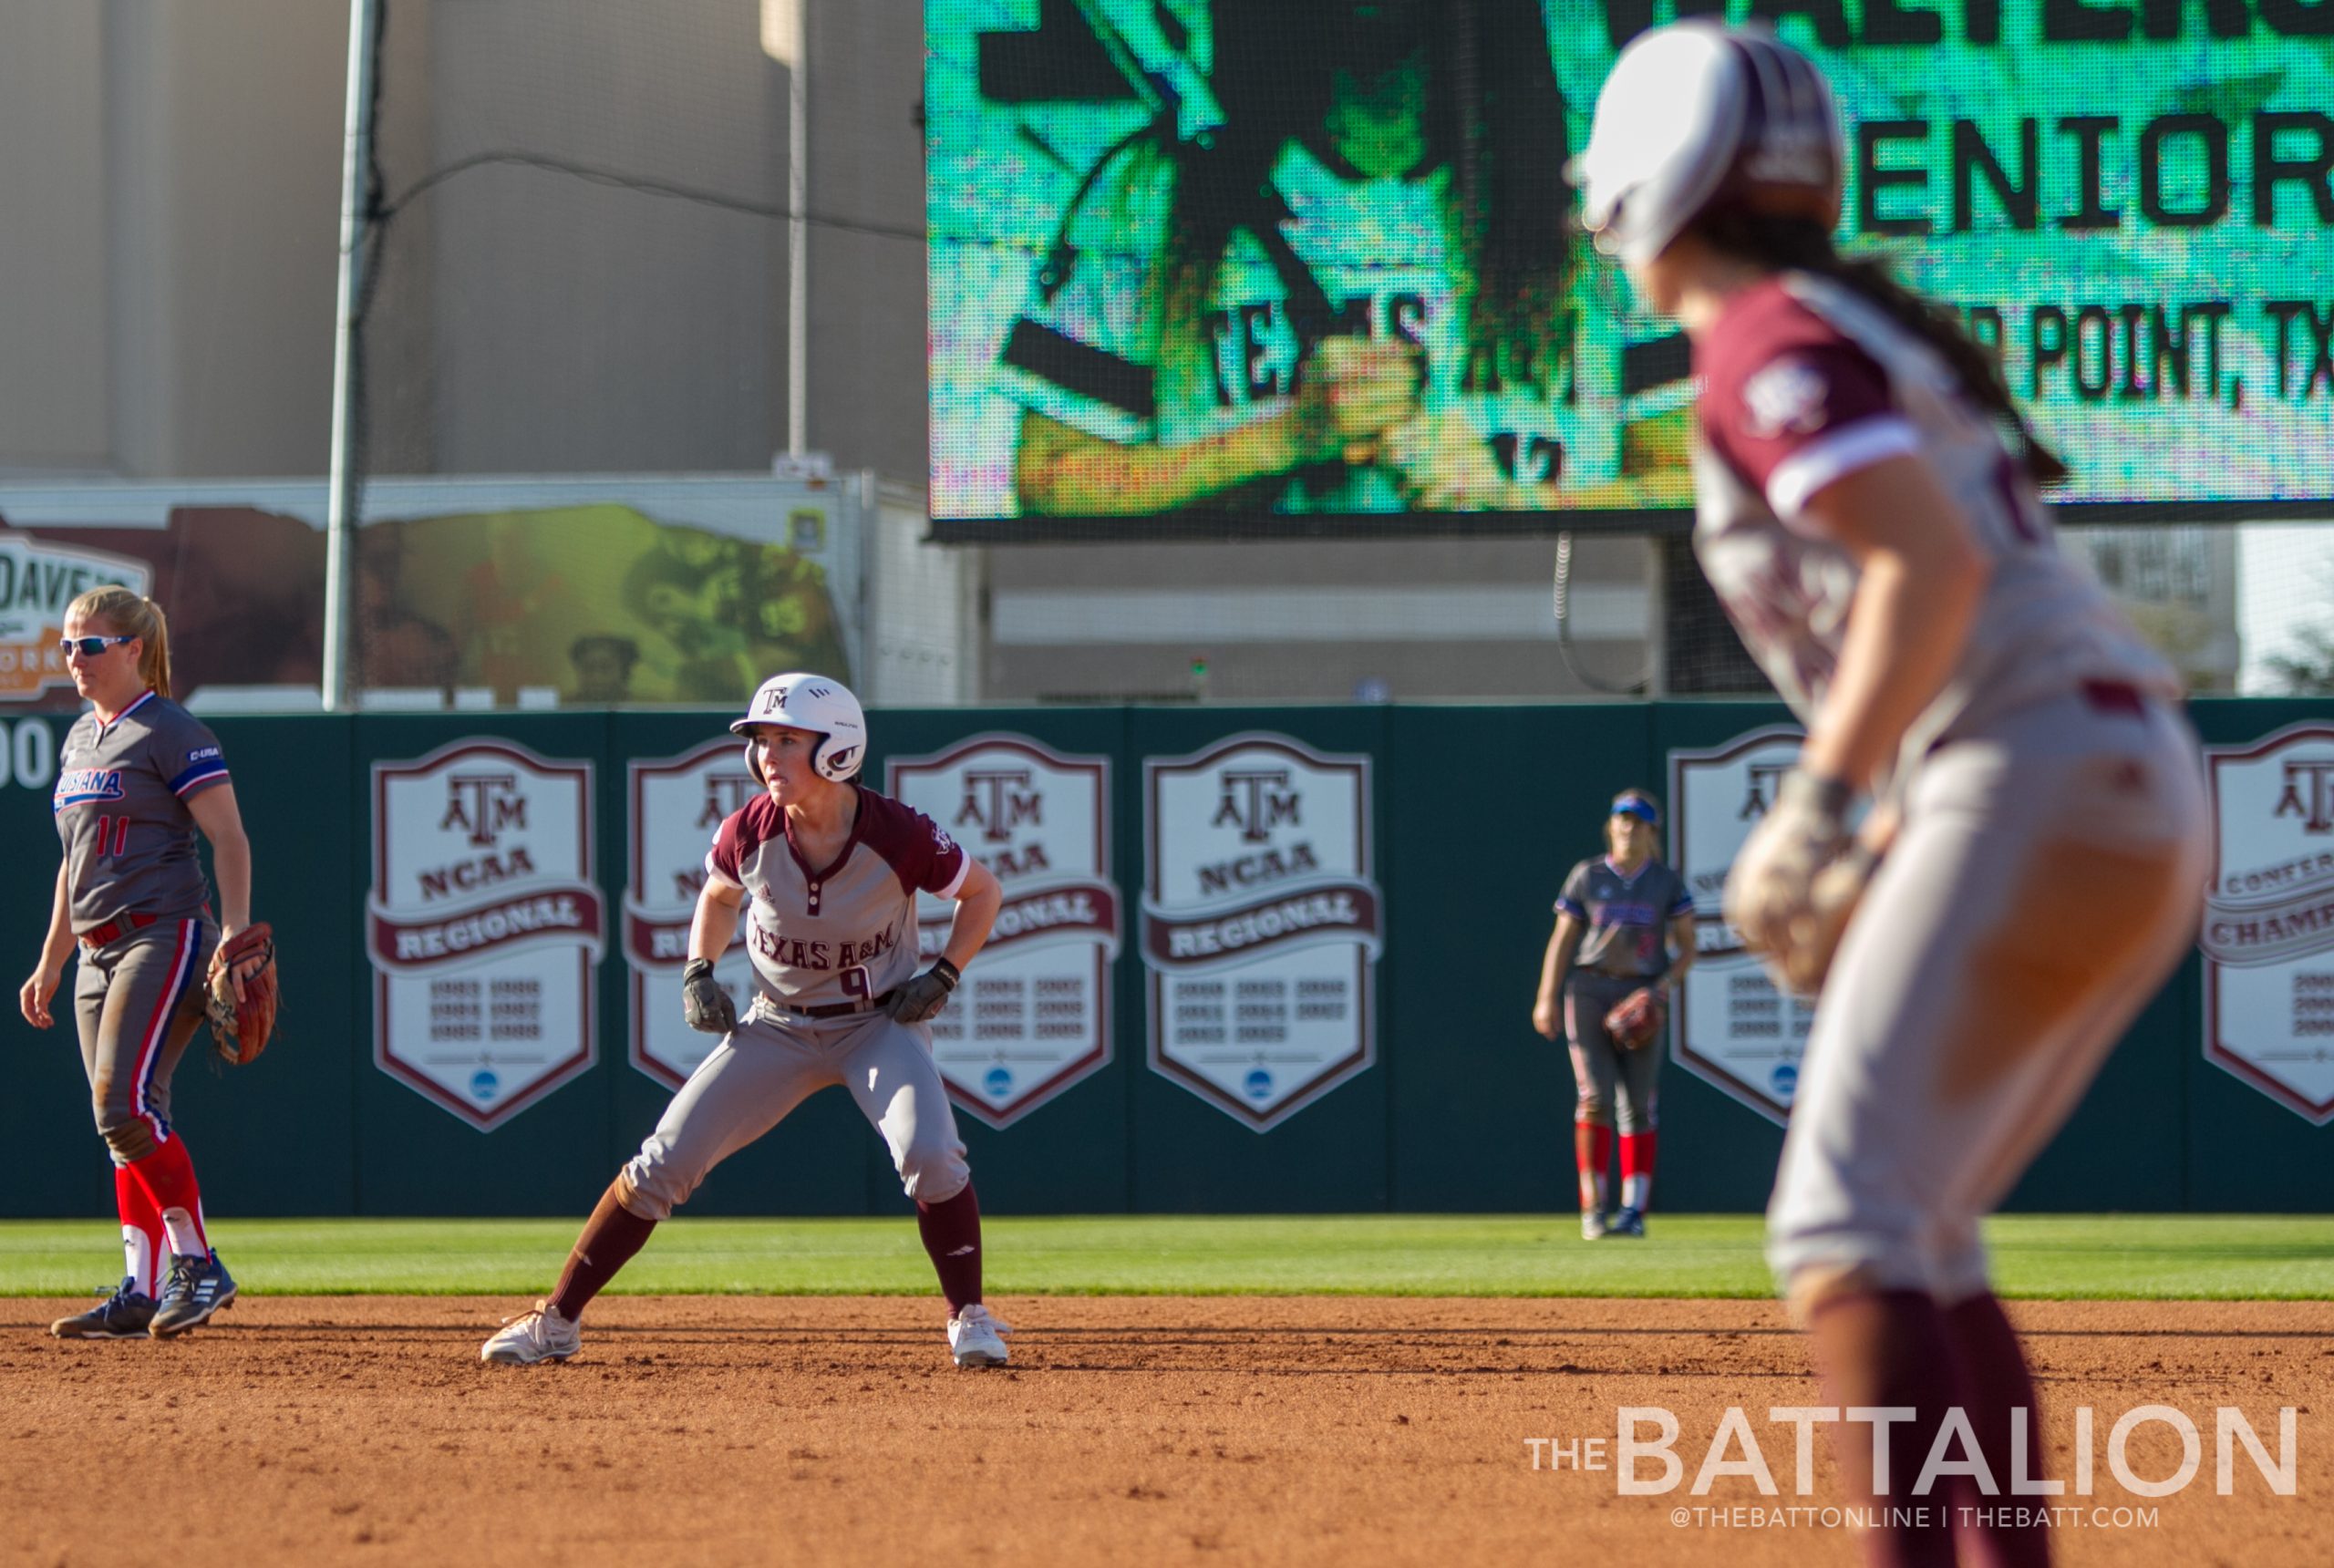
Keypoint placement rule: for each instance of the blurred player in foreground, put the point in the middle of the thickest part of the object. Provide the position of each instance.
(1868, 514)
(832, 871)
(1605, 987)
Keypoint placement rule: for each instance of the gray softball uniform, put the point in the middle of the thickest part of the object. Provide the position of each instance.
(138, 901)
(2047, 874)
(828, 943)
(1626, 922)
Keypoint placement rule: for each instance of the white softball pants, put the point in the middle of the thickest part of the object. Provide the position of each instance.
(762, 1069)
(2048, 875)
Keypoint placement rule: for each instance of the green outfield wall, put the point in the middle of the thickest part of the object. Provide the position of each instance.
(1393, 1068)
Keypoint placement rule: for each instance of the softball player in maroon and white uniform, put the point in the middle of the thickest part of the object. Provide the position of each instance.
(832, 869)
(137, 776)
(1868, 515)
(1625, 923)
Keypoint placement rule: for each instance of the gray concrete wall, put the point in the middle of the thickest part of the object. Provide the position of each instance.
(166, 268)
(866, 140)
(221, 130)
(54, 335)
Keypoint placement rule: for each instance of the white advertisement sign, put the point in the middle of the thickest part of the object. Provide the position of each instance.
(484, 926)
(674, 806)
(2268, 931)
(1033, 1016)
(38, 581)
(1261, 922)
(1732, 1028)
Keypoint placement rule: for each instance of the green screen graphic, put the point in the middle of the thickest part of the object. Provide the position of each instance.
(1164, 231)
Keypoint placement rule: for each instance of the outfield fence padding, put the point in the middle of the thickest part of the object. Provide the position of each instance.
(1472, 816)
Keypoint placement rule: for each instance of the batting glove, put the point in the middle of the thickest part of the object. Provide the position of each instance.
(704, 1005)
(1770, 893)
(923, 996)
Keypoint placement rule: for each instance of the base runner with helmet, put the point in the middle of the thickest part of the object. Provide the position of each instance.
(1624, 937)
(138, 778)
(2029, 871)
(830, 871)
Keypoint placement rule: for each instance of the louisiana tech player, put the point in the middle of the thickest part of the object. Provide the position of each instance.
(832, 871)
(1868, 515)
(1624, 922)
(138, 776)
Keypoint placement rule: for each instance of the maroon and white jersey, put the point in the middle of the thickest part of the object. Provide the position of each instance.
(1804, 381)
(839, 933)
(120, 804)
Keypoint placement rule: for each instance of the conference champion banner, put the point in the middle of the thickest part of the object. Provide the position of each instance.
(1160, 232)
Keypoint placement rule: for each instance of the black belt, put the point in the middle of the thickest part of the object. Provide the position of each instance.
(839, 1009)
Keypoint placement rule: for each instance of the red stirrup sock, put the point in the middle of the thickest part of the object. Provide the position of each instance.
(141, 1232)
(1636, 1169)
(611, 1236)
(1592, 1150)
(168, 1176)
(952, 1236)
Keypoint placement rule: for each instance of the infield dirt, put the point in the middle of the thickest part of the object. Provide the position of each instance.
(1128, 1431)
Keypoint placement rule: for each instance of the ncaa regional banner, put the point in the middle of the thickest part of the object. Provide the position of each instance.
(676, 805)
(2268, 931)
(1261, 923)
(1033, 1014)
(1732, 1027)
(1155, 223)
(483, 926)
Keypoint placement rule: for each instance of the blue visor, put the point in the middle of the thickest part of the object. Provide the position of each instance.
(1636, 805)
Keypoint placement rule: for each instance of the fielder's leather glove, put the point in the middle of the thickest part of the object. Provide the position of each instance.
(240, 994)
(1635, 1019)
(704, 1005)
(923, 996)
(1797, 882)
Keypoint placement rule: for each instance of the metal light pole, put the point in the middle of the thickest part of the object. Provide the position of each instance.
(364, 23)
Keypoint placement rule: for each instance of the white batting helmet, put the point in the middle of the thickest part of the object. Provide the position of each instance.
(803, 701)
(1698, 115)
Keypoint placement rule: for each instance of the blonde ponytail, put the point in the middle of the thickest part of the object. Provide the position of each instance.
(131, 615)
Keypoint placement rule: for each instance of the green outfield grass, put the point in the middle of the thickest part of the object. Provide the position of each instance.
(2120, 1256)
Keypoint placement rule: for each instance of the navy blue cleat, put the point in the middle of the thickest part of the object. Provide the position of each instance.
(124, 1315)
(198, 1287)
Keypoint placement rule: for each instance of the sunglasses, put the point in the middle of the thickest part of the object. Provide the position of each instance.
(90, 648)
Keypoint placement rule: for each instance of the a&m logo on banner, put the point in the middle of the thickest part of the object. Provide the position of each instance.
(1261, 923)
(2268, 932)
(483, 926)
(37, 580)
(676, 806)
(1033, 1016)
(1732, 1027)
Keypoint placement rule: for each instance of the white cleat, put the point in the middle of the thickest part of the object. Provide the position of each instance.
(537, 1335)
(977, 1338)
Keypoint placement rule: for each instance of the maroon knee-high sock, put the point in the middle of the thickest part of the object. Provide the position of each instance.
(1890, 1347)
(1995, 1384)
(611, 1236)
(952, 1235)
